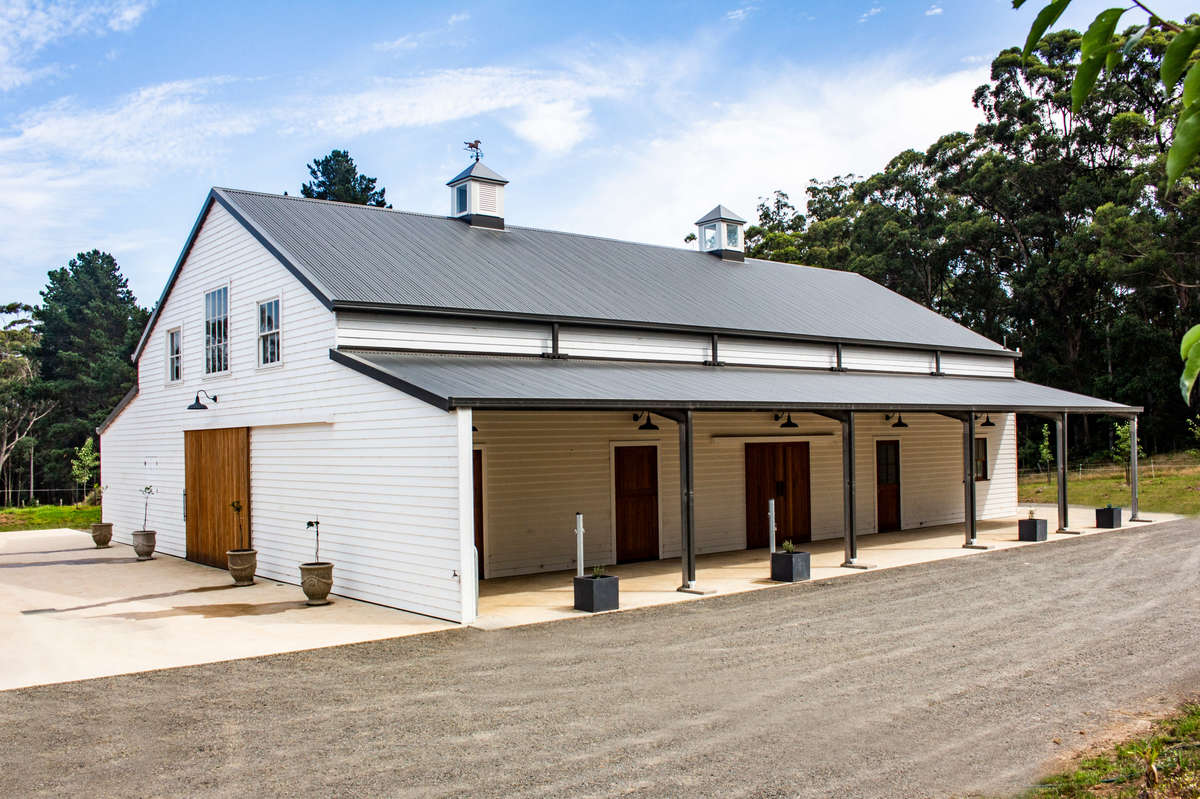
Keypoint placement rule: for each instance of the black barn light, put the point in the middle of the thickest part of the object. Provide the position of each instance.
(788, 423)
(197, 405)
(987, 421)
(899, 421)
(646, 425)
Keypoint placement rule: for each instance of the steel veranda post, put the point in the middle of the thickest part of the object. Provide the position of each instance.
(1133, 469)
(1060, 429)
(969, 513)
(687, 494)
(849, 523)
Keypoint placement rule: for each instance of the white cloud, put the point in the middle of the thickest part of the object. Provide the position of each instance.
(799, 125)
(933, 11)
(411, 41)
(872, 11)
(454, 19)
(740, 14)
(28, 26)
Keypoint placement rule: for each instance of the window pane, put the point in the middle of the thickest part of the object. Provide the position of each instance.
(981, 459)
(710, 237)
(461, 195)
(731, 236)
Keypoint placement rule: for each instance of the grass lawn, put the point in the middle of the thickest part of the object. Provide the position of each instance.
(1124, 771)
(1170, 492)
(42, 517)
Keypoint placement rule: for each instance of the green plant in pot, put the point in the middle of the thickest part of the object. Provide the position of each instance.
(144, 539)
(243, 561)
(316, 578)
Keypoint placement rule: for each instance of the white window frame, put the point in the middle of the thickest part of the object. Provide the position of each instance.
(228, 316)
(170, 356)
(278, 333)
(715, 230)
(737, 236)
(462, 199)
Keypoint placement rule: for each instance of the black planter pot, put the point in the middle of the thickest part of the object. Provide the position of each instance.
(1031, 530)
(789, 567)
(595, 594)
(1108, 517)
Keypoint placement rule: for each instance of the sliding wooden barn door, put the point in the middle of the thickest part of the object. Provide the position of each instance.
(216, 473)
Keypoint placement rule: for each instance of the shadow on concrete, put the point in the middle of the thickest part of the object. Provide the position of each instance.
(226, 611)
(54, 551)
(201, 590)
(73, 562)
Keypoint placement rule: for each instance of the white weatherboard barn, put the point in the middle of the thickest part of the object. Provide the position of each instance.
(445, 393)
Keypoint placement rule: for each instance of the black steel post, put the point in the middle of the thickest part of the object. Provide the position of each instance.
(1060, 429)
(969, 510)
(849, 523)
(687, 495)
(1133, 469)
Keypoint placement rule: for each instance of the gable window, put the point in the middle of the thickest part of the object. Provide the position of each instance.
(460, 199)
(216, 331)
(981, 459)
(268, 332)
(174, 355)
(731, 236)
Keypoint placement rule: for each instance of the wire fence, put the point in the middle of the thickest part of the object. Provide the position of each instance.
(1147, 467)
(15, 497)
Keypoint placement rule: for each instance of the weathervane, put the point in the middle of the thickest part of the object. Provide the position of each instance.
(474, 149)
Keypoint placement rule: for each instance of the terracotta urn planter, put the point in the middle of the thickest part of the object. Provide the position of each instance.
(143, 544)
(316, 579)
(242, 565)
(102, 534)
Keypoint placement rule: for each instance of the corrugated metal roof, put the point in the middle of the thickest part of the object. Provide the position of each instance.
(450, 381)
(360, 255)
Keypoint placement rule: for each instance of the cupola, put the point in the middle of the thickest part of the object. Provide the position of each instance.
(477, 197)
(720, 232)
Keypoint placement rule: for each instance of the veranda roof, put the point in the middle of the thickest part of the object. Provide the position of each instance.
(502, 382)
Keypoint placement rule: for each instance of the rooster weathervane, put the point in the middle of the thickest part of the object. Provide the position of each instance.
(474, 149)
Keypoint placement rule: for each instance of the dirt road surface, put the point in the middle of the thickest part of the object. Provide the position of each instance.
(950, 678)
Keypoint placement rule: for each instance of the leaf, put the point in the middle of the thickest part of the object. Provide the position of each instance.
(1112, 60)
(1191, 369)
(1177, 55)
(1085, 79)
(1100, 33)
(1133, 40)
(1045, 18)
(1186, 145)
(1018, 3)
(1191, 85)
(1190, 339)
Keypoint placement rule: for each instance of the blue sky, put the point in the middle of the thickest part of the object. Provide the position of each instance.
(622, 119)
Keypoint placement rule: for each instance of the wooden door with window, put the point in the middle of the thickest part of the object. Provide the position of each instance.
(477, 483)
(887, 485)
(216, 474)
(635, 483)
(779, 472)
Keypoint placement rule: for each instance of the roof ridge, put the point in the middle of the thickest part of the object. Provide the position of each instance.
(591, 236)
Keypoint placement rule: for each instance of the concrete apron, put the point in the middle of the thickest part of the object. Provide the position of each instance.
(534, 598)
(69, 611)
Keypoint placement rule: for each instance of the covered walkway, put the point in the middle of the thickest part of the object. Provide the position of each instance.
(529, 599)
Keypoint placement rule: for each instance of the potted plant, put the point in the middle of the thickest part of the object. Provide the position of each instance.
(316, 578)
(791, 565)
(1108, 516)
(144, 539)
(101, 531)
(597, 591)
(243, 561)
(1031, 529)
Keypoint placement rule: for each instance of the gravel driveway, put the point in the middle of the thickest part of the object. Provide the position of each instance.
(945, 678)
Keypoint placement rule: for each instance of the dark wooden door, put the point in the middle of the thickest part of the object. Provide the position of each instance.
(477, 482)
(887, 481)
(779, 472)
(636, 489)
(216, 473)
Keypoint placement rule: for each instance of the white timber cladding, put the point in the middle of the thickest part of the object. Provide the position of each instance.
(381, 470)
(542, 467)
(439, 334)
